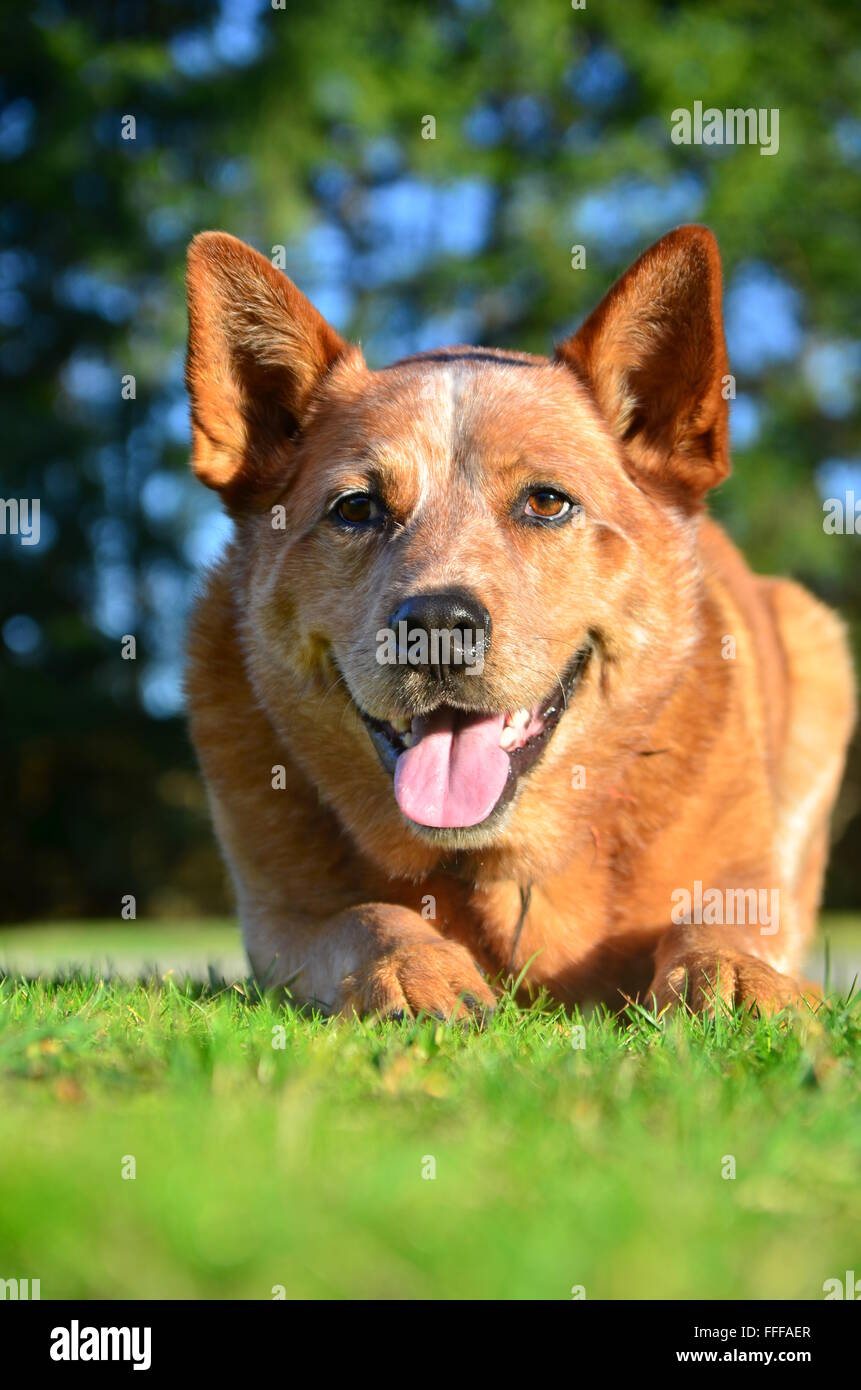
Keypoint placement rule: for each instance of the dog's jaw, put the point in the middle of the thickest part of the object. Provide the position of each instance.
(523, 736)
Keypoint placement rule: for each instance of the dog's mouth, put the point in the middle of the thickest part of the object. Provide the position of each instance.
(455, 768)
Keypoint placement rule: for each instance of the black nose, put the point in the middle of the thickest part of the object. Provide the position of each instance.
(441, 632)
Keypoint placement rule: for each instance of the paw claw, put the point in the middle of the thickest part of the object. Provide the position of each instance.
(429, 975)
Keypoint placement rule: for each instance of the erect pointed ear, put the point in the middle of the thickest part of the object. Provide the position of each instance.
(257, 348)
(654, 357)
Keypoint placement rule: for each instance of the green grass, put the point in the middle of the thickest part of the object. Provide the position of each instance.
(556, 1165)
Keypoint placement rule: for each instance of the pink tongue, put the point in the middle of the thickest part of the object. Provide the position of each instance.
(455, 773)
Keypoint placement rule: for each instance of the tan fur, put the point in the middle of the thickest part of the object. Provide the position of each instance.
(697, 767)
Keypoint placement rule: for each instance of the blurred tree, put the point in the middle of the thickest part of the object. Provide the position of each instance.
(428, 170)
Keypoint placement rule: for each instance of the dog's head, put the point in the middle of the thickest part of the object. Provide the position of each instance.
(464, 580)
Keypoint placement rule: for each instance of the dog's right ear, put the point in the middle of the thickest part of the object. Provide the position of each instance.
(654, 357)
(257, 349)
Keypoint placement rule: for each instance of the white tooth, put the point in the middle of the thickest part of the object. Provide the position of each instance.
(400, 724)
(408, 740)
(508, 737)
(520, 718)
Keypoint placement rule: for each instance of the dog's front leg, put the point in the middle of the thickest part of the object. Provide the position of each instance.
(696, 965)
(378, 958)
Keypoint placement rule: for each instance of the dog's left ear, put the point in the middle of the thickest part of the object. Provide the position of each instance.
(257, 351)
(654, 358)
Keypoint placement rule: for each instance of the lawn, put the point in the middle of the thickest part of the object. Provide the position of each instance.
(412, 1159)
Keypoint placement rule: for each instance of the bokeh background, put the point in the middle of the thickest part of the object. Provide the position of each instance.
(303, 128)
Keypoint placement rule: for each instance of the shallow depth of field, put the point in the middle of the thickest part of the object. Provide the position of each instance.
(425, 174)
(277, 1153)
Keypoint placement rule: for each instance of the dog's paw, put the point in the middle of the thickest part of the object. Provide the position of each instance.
(699, 977)
(436, 977)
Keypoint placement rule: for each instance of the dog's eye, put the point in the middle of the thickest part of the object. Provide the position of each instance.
(357, 509)
(546, 505)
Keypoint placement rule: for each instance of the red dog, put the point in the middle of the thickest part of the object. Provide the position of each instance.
(477, 683)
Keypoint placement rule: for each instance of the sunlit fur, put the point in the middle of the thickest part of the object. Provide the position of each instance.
(696, 766)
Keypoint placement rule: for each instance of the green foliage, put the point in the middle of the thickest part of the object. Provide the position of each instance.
(556, 1165)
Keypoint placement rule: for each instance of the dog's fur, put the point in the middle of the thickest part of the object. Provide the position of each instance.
(679, 757)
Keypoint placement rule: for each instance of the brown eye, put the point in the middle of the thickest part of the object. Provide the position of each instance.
(546, 505)
(357, 509)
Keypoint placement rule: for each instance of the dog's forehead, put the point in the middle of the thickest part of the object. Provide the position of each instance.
(464, 403)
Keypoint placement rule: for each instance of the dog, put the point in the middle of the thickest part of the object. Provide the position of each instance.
(478, 689)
